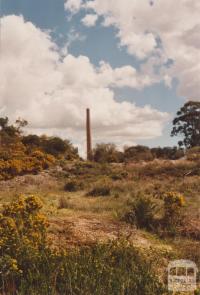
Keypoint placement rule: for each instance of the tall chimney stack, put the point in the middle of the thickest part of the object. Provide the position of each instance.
(89, 139)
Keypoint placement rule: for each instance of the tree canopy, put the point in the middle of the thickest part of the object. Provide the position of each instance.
(187, 124)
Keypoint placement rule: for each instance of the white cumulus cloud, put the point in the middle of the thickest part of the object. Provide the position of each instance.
(169, 30)
(73, 5)
(90, 20)
(52, 91)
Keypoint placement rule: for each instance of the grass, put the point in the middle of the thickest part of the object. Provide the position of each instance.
(120, 193)
(73, 213)
(79, 203)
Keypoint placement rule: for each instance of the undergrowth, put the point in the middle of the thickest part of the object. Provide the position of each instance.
(29, 265)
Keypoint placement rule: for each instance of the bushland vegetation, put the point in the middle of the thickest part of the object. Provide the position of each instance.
(30, 266)
(20, 154)
(186, 125)
(164, 212)
(108, 153)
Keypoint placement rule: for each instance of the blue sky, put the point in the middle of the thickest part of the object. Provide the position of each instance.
(100, 43)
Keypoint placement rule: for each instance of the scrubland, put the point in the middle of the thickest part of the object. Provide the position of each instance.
(91, 228)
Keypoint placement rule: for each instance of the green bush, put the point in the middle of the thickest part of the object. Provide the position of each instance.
(119, 176)
(170, 153)
(107, 153)
(51, 145)
(73, 186)
(138, 153)
(173, 204)
(100, 190)
(142, 213)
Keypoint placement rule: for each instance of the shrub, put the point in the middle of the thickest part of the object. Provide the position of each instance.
(138, 153)
(173, 203)
(51, 145)
(100, 190)
(193, 154)
(57, 146)
(180, 169)
(73, 186)
(30, 154)
(142, 213)
(23, 236)
(107, 153)
(29, 266)
(113, 268)
(170, 153)
(20, 162)
(119, 176)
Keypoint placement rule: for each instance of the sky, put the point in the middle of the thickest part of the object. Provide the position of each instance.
(134, 63)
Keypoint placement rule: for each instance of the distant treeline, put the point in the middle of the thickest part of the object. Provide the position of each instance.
(109, 153)
(21, 154)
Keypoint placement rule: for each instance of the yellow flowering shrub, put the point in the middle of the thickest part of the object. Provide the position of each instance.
(173, 203)
(22, 223)
(29, 266)
(22, 235)
(18, 161)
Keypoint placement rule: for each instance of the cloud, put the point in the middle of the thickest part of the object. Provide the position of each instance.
(167, 30)
(73, 5)
(52, 91)
(90, 20)
(74, 36)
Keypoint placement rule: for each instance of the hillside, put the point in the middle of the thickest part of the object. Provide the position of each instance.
(89, 203)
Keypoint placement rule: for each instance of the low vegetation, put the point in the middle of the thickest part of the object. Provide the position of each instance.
(136, 204)
(73, 186)
(144, 214)
(102, 189)
(116, 267)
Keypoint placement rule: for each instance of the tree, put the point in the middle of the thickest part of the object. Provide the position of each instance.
(138, 153)
(3, 123)
(171, 153)
(20, 123)
(31, 140)
(107, 153)
(57, 146)
(9, 134)
(12, 130)
(187, 124)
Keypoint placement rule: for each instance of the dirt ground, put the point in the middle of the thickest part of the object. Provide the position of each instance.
(74, 231)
